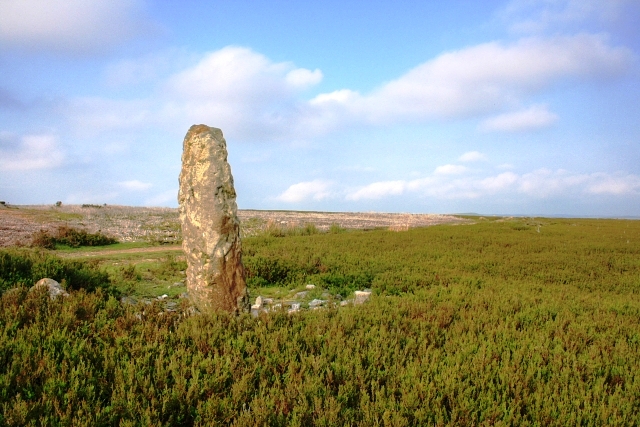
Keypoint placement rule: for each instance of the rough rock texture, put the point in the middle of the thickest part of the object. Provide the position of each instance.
(361, 297)
(54, 288)
(210, 226)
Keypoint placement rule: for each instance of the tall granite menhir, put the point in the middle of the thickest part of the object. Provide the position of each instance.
(210, 226)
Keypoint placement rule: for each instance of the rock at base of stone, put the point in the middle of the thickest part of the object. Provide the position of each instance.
(210, 225)
(54, 288)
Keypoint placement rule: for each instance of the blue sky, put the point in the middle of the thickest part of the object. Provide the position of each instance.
(495, 107)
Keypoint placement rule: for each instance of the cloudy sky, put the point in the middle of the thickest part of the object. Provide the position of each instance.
(494, 107)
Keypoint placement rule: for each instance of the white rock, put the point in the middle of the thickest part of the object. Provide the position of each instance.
(361, 297)
(310, 286)
(316, 303)
(259, 303)
(54, 288)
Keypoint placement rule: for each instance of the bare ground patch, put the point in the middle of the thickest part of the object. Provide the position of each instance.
(130, 224)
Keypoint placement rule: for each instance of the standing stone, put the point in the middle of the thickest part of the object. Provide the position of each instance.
(210, 225)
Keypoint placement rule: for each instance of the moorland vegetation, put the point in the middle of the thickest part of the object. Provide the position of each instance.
(514, 321)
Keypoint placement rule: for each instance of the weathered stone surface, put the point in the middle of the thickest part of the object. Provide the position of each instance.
(316, 303)
(210, 226)
(54, 288)
(258, 304)
(361, 297)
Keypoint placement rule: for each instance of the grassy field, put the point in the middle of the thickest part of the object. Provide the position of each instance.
(503, 321)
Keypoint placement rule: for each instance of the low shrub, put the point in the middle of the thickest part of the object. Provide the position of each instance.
(26, 267)
(69, 236)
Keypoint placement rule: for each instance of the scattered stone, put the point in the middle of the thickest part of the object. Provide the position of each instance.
(361, 297)
(326, 295)
(267, 301)
(177, 285)
(258, 304)
(301, 295)
(316, 303)
(210, 225)
(161, 297)
(128, 300)
(54, 288)
(310, 286)
(345, 302)
(295, 307)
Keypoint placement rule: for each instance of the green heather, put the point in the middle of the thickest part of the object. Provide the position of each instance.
(505, 321)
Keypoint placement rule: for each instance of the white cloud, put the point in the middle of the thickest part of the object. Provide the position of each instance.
(378, 190)
(485, 77)
(303, 78)
(253, 98)
(31, 152)
(135, 185)
(620, 184)
(449, 170)
(68, 25)
(540, 184)
(166, 198)
(316, 190)
(472, 156)
(536, 16)
(242, 92)
(496, 183)
(534, 118)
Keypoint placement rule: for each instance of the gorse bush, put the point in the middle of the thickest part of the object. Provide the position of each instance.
(68, 236)
(281, 230)
(26, 267)
(589, 254)
(441, 356)
(495, 323)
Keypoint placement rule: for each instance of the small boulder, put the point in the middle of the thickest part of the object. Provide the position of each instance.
(316, 303)
(301, 295)
(361, 297)
(128, 300)
(310, 286)
(295, 307)
(54, 288)
(258, 304)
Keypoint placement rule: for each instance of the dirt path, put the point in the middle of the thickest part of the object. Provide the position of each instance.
(121, 251)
